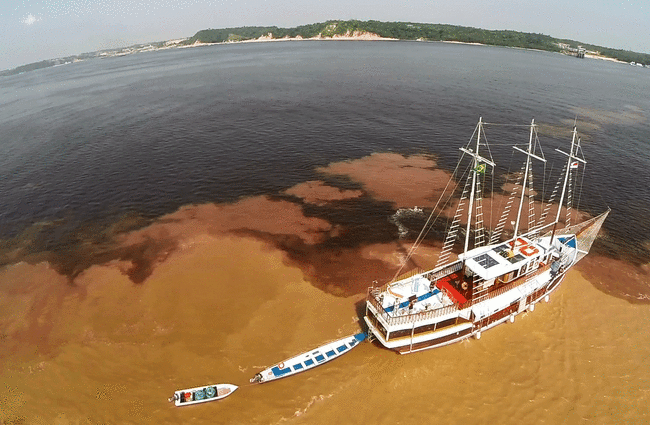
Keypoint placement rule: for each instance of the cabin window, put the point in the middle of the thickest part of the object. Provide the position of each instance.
(309, 362)
(425, 328)
(400, 333)
(532, 266)
(448, 322)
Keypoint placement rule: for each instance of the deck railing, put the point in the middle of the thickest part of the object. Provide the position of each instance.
(373, 298)
(409, 318)
(435, 275)
(432, 276)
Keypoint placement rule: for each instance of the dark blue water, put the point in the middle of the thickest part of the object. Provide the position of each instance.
(87, 143)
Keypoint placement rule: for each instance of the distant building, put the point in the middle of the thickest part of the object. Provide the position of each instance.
(568, 50)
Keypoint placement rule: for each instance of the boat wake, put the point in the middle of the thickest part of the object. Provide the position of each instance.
(400, 215)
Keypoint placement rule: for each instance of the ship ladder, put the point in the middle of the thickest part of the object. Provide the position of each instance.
(569, 199)
(479, 289)
(551, 198)
(531, 202)
(498, 230)
(479, 233)
(450, 239)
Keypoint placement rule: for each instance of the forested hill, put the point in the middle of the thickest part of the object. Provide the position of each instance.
(397, 30)
(415, 31)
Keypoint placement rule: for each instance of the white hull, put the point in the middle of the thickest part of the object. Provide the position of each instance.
(202, 394)
(310, 359)
(477, 332)
(456, 333)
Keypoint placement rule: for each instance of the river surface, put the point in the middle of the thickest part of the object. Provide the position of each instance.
(192, 216)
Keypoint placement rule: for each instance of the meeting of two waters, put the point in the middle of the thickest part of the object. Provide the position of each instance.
(146, 199)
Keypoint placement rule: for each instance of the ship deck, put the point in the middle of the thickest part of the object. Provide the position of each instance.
(418, 293)
(415, 295)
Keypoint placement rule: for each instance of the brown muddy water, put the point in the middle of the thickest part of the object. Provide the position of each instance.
(220, 309)
(231, 289)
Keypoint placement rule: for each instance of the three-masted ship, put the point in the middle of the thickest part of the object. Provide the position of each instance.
(495, 278)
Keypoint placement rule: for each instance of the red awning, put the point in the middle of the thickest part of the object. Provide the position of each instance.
(456, 296)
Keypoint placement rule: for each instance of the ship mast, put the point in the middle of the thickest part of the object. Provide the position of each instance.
(575, 146)
(476, 164)
(529, 154)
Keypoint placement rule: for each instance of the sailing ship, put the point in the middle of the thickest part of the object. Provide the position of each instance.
(496, 279)
(309, 359)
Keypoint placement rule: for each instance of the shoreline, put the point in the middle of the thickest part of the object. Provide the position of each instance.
(366, 36)
(355, 36)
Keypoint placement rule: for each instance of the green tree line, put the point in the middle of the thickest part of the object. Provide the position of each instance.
(414, 31)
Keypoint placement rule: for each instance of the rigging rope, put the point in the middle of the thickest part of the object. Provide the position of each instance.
(498, 229)
(421, 237)
(582, 180)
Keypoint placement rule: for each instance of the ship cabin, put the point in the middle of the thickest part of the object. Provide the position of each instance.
(487, 269)
(446, 294)
(491, 267)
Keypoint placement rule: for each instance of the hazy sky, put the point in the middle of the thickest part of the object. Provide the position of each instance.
(33, 30)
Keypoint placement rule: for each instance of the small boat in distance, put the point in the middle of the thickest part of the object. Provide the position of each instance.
(202, 394)
(309, 359)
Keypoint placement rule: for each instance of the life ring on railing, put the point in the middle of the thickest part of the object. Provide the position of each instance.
(281, 366)
(529, 250)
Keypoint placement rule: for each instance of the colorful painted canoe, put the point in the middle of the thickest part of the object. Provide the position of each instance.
(309, 359)
(202, 394)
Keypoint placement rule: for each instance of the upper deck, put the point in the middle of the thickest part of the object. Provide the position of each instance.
(413, 295)
(492, 261)
(447, 291)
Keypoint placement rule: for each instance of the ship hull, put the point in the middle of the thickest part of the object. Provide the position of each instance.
(469, 329)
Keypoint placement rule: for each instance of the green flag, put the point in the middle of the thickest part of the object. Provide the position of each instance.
(480, 168)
